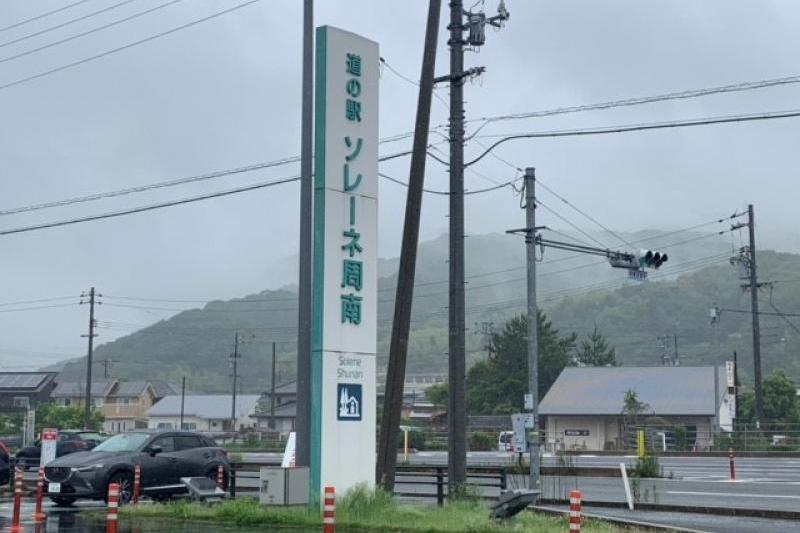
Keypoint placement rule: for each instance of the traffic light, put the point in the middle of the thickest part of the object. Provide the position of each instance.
(651, 259)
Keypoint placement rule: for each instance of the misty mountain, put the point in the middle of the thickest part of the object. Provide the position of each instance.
(576, 291)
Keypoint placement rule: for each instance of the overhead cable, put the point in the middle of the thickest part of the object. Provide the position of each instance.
(605, 130)
(126, 46)
(88, 32)
(67, 23)
(43, 15)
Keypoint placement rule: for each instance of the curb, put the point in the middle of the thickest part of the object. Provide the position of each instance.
(721, 511)
(623, 522)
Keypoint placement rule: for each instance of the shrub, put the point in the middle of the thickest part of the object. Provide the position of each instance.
(480, 441)
(681, 437)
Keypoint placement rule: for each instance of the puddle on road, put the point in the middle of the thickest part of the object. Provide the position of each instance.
(75, 522)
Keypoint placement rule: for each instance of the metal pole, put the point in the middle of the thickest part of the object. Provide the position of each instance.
(398, 346)
(235, 359)
(457, 413)
(754, 312)
(183, 397)
(87, 408)
(272, 393)
(303, 420)
(533, 325)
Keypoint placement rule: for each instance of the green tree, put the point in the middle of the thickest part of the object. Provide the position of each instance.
(497, 385)
(781, 404)
(50, 415)
(437, 394)
(594, 350)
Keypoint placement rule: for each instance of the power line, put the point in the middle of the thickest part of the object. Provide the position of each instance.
(148, 187)
(38, 301)
(43, 15)
(67, 23)
(633, 128)
(574, 226)
(151, 207)
(627, 102)
(126, 46)
(88, 32)
(36, 308)
(586, 215)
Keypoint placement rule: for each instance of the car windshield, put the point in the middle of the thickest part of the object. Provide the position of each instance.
(124, 442)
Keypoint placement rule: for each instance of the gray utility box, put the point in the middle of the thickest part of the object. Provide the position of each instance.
(283, 486)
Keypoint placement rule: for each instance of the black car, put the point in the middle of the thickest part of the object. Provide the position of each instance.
(5, 464)
(69, 441)
(164, 456)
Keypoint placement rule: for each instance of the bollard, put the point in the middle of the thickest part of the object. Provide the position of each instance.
(329, 511)
(221, 477)
(18, 478)
(733, 469)
(575, 511)
(38, 515)
(137, 483)
(113, 507)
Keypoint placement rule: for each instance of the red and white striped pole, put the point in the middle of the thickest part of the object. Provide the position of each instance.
(221, 477)
(113, 508)
(18, 478)
(329, 511)
(575, 511)
(733, 468)
(137, 483)
(38, 515)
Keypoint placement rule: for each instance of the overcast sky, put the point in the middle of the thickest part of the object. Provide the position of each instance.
(226, 93)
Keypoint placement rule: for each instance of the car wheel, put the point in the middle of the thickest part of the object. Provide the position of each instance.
(212, 474)
(125, 482)
(63, 502)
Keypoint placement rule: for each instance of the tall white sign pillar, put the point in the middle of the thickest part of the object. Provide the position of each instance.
(345, 262)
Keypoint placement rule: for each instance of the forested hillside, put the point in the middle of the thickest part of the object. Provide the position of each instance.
(577, 292)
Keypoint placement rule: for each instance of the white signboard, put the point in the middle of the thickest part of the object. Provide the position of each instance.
(289, 452)
(729, 374)
(49, 442)
(345, 262)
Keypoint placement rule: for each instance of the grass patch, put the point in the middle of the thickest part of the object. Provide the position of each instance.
(367, 510)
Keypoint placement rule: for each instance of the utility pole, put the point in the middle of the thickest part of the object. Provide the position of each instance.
(87, 408)
(106, 362)
(303, 420)
(747, 259)
(754, 312)
(457, 411)
(272, 391)
(235, 363)
(398, 345)
(532, 398)
(183, 398)
(533, 326)
(675, 358)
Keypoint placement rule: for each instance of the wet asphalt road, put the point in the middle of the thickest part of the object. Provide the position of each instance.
(696, 522)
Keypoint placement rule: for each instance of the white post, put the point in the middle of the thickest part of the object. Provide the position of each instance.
(627, 485)
(405, 444)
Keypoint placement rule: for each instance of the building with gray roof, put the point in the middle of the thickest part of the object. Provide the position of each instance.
(203, 412)
(584, 407)
(20, 390)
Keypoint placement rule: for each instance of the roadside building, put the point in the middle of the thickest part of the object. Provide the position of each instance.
(125, 406)
(20, 391)
(281, 421)
(210, 413)
(682, 407)
(73, 393)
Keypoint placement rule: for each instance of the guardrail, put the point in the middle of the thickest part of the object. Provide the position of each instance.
(245, 480)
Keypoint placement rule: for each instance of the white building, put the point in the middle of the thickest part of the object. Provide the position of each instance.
(205, 412)
(583, 410)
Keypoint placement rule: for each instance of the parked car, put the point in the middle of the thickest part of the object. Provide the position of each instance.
(165, 457)
(5, 464)
(69, 441)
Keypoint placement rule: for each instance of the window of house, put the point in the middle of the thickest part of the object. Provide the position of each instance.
(21, 401)
(164, 425)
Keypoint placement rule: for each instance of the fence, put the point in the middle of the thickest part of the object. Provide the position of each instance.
(411, 482)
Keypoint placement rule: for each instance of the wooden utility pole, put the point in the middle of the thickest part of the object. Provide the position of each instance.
(398, 346)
